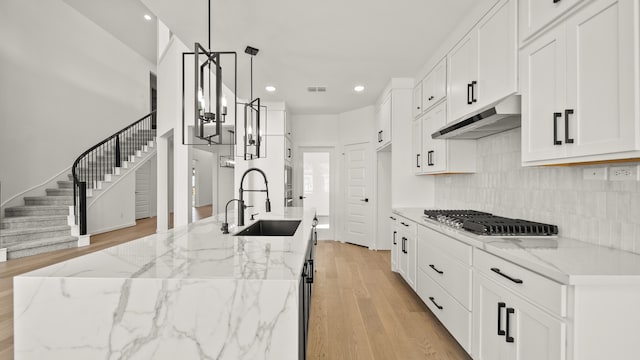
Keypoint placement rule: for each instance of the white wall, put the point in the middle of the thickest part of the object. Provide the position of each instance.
(204, 176)
(116, 208)
(65, 85)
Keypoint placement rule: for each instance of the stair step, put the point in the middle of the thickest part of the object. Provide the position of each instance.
(37, 210)
(48, 200)
(11, 236)
(59, 192)
(66, 184)
(26, 222)
(39, 246)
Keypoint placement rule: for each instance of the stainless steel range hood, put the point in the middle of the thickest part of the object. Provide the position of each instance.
(502, 116)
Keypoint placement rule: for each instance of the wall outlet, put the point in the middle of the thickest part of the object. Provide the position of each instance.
(623, 173)
(594, 173)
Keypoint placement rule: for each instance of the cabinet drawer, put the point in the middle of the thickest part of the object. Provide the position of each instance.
(449, 245)
(452, 315)
(452, 275)
(536, 288)
(407, 226)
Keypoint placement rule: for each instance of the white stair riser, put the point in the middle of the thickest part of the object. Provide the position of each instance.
(59, 192)
(49, 200)
(14, 238)
(36, 223)
(35, 211)
(40, 250)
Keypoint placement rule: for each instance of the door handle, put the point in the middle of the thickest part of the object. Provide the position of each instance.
(567, 112)
(509, 338)
(365, 199)
(501, 305)
(556, 116)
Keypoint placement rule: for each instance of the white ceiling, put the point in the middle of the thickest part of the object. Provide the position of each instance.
(124, 19)
(332, 43)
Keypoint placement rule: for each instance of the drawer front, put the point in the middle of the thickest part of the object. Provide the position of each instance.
(536, 288)
(407, 226)
(452, 275)
(453, 316)
(449, 245)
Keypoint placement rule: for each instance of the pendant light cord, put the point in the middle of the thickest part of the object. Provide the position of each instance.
(209, 12)
(251, 77)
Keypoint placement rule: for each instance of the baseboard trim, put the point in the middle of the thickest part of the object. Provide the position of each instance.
(112, 228)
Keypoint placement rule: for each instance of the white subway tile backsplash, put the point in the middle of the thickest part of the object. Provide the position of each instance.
(600, 212)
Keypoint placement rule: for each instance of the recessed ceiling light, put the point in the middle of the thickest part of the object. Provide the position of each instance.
(147, 17)
(270, 88)
(358, 88)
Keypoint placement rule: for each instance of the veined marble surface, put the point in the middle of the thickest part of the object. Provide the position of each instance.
(567, 261)
(192, 293)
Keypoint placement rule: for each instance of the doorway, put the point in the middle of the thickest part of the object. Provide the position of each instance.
(318, 188)
(358, 191)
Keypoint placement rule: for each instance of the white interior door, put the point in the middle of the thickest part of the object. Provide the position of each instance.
(359, 185)
(317, 187)
(143, 181)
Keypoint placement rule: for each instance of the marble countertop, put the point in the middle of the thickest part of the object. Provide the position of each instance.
(197, 251)
(567, 261)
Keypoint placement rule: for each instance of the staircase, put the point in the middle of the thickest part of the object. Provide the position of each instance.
(52, 222)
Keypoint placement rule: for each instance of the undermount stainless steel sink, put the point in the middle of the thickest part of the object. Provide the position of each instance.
(271, 228)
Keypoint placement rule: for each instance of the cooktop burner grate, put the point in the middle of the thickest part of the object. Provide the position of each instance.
(482, 223)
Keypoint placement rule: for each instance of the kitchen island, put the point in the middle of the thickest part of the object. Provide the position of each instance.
(191, 293)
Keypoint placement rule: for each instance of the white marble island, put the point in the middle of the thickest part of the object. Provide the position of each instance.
(192, 293)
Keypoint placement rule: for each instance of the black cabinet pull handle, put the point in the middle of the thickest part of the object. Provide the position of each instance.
(473, 91)
(404, 224)
(567, 112)
(501, 305)
(430, 98)
(392, 218)
(365, 199)
(497, 271)
(436, 270)
(435, 303)
(469, 90)
(404, 247)
(556, 1)
(430, 158)
(509, 338)
(394, 238)
(555, 129)
(310, 277)
(417, 160)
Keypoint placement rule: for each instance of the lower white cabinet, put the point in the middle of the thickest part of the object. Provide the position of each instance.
(395, 244)
(406, 237)
(507, 327)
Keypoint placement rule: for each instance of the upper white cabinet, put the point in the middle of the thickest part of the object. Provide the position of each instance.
(535, 14)
(579, 83)
(440, 155)
(483, 65)
(434, 85)
(417, 100)
(383, 117)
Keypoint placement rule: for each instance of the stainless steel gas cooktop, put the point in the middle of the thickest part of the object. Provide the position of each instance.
(482, 223)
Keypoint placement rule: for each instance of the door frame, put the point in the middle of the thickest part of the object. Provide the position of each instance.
(298, 181)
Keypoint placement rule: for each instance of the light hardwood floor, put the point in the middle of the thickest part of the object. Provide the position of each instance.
(360, 309)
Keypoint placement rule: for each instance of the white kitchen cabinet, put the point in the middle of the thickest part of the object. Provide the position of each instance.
(384, 122)
(441, 155)
(395, 243)
(416, 141)
(535, 14)
(288, 149)
(508, 327)
(407, 258)
(483, 65)
(434, 85)
(578, 105)
(417, 100)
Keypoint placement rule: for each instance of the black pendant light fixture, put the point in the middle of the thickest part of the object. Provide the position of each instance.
(255, 116)
(210, 108)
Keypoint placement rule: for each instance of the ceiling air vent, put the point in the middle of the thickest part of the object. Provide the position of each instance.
(314, 89)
